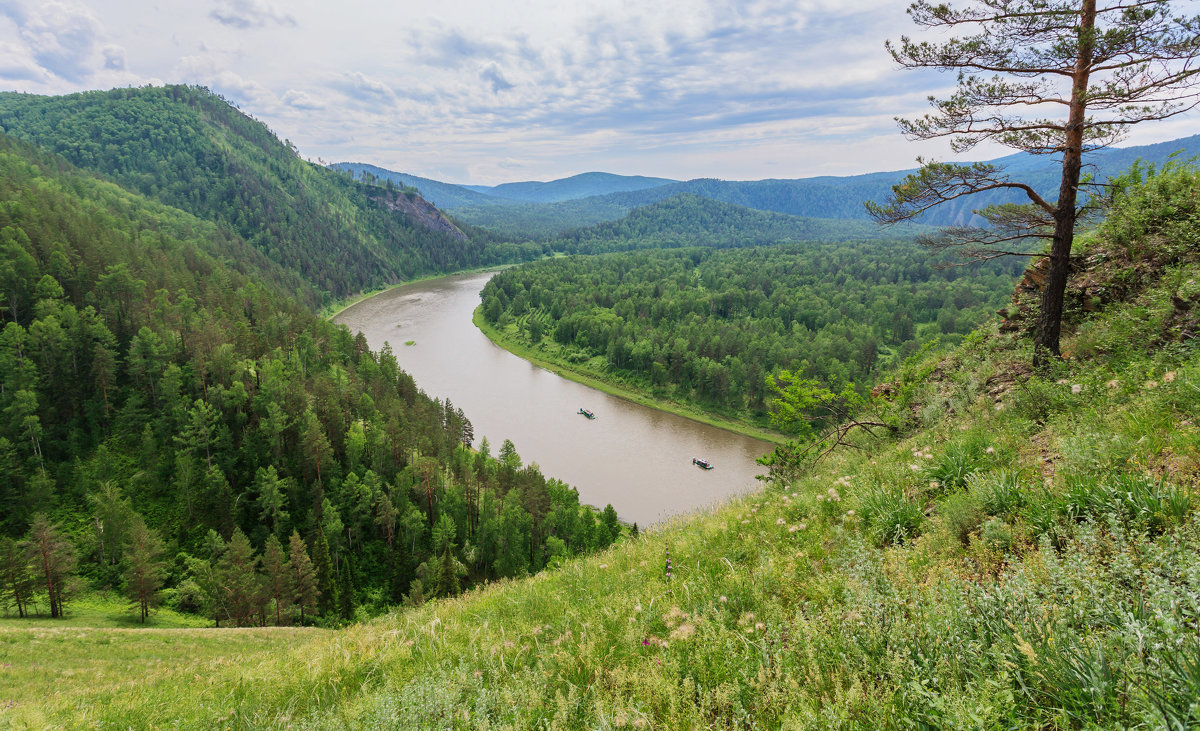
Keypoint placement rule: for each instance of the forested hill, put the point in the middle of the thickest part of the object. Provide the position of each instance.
(687, 219)
(821, 197)
(152, 377)
(583, 185)
(442, 195)
(842, 197)
(190, 149)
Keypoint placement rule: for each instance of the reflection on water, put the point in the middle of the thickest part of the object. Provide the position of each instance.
(636, 458)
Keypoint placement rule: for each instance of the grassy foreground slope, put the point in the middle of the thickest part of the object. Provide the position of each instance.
(1020, 553)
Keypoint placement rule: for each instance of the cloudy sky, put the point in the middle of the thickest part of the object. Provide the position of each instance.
(488, 91)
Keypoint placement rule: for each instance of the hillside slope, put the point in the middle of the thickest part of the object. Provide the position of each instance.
(442, 195)
(1018, 550)
(190, 149)
(830, 197)
(151, 370)
(584, 185)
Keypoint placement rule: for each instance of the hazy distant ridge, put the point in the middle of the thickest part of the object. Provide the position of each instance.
(838, 197)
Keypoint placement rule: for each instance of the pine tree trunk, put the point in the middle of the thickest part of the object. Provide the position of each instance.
(1049, 323)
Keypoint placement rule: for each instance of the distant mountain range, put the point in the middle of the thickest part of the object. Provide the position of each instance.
(538, 210)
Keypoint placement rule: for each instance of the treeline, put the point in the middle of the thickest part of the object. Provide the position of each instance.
(709, 326)
(687, 219)
(147, 376)
(188, 148)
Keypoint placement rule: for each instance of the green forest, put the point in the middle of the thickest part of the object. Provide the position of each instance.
(708, 326)
(171, 420)
(190, 149)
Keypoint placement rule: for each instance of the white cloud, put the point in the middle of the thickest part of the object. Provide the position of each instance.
(678, 88)
(301, 100)
(244, 14)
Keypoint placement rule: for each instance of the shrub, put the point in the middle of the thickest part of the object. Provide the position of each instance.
(996, 534)
(961, 515)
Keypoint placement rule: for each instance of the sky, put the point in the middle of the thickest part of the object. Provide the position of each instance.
(491, 91)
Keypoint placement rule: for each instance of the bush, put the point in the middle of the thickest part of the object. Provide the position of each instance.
(961, 515)
(996, 534)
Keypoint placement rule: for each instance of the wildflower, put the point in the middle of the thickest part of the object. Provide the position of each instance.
(914, 467)
(759, 626)
(745, 522)
(780, 521)
(1168, 377)
(1113, 383)
(833, 495)
(1151, 384)
(990, 450)
(683, 632)
(639, 722)
(1062, 381)
(637, 607)
(645, 642)
(603, 565)
(934, 484)
(478, 673)
(999, 407)
(928, 455)
(1077, 388)
(849, 513)
(722, 598)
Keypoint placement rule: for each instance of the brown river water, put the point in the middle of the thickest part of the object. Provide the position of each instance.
(637, 458)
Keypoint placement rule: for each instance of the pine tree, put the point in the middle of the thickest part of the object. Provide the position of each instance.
(144, 567)
(276, 580)
(447, 577)
(238, 574)
(326, 588)
(302, 576)
(16, 576)
(54, 558)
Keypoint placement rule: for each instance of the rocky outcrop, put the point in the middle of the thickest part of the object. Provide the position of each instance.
(420, 211)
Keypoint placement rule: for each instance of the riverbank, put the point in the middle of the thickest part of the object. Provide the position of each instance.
(333, 309)
(591, 380)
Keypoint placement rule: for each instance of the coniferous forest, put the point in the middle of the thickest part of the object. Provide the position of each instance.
(707, 326)
(173, 420)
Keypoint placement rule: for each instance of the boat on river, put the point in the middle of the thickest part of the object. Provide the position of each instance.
(702, 463)
(587, 413)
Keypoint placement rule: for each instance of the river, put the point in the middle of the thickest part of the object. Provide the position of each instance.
(637, 458)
